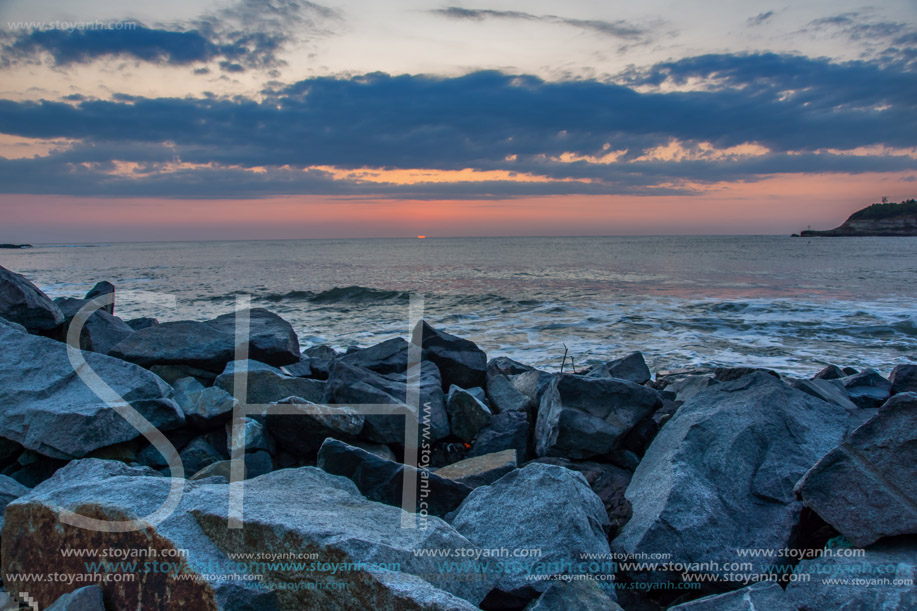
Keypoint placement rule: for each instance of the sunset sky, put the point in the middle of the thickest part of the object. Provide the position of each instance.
(254, 119)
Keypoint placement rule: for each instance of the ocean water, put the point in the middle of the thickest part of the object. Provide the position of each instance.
(791, 304)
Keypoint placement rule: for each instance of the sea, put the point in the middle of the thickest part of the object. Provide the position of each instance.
(790, 304)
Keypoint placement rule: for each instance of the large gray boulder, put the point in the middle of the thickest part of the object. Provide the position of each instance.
(46, 407)
(865, 487)
(581, 417)
(883, 578)
(382, 480)
(300, 427)
(204, 407)
(766, 596)
(459, 360)
(631, 368)
(292, 511)
(719, 476)
(23, 303)
(350, 385)
(480, 470)
(507, 431)
(211, 345)
(267, 384)
(504, 397)
(867, 389)
(832, 391)
(903, 379)
(391, 356)
(538, 507)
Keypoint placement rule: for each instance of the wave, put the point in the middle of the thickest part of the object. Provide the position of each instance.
(341, 294)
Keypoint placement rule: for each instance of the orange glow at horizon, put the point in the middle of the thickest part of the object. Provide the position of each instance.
(778, 204)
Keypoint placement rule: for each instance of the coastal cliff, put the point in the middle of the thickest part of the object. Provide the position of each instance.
(886, 219)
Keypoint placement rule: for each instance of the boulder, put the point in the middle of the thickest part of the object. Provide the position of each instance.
(103, 288)
(765, 595)
(865, 488)
(580, 417)
(669, 376)
(303, 432)
(204, 407)
(293, 511)
(320, 359)
(506, 431)
(88, 598)
(199, 453)
(609, 482)
(46, 407)
(728, 374)
(688, 386)
(382, 480)
(539, 507)
(573, 595)
(506, 366)
(882, 578)
(719, 475)
(867, 389)
(631, 368)
(830, 372)
(459, 360)
(254, 436)
(467, 414)
(349, 385)
(302, 369)
(23, 303)
(10, 490)
(256, 463)
(830, 390)
(211, 345)
(903, 379)
(143, 322)
(480, 470)
(267, 384)
(391, 356)
(102, 332)
(504, 397)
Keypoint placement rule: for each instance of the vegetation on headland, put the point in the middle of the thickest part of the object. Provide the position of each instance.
(881, 219)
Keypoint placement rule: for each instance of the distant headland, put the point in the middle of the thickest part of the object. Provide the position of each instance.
(885, 219)
(15, 246)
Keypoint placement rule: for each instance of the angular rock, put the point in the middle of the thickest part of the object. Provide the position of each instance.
(268, 384)
(356, 386)
(467, 415)
(570, 595)
(533, 384)
(46, 407)
(23, 303)
(103, 288)
(320, 359)
(506, 366)
(480, 470)
(302, 369)
(506, 431)
(830, 390)
(688, 386)
(143, 322)
(294, 511)
(830, 372)
(766, 595)
(728, 374)
(903, 379)
(254, 436)
(102, 332)
(580, 417)
(669, 376)
(391, 356)
(865, 488)
(540, 507)
(199, 453)
(631, 368)
(10, 490)
(863, 582)
(459, 360)
(504, 397)
(256, 464)
(88, 598)
(211, 345)
(303, 433)
(382, 480)
(609, 482)
(203, 407)
(719, 475)
(867, 389)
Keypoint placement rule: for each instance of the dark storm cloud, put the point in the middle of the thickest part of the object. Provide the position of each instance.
(617, 29)
(249, 34)
(794, 106)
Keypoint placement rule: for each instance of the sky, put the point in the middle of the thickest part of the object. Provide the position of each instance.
(245, 119)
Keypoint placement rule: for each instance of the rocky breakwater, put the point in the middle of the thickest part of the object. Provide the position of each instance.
(530, 489)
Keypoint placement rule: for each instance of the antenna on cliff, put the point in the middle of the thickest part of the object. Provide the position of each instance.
(884, 199)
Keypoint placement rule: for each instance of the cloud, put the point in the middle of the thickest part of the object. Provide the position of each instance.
(751, 115)
(760, 18)
(888, 41)
(246, 35)
(617, 29)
